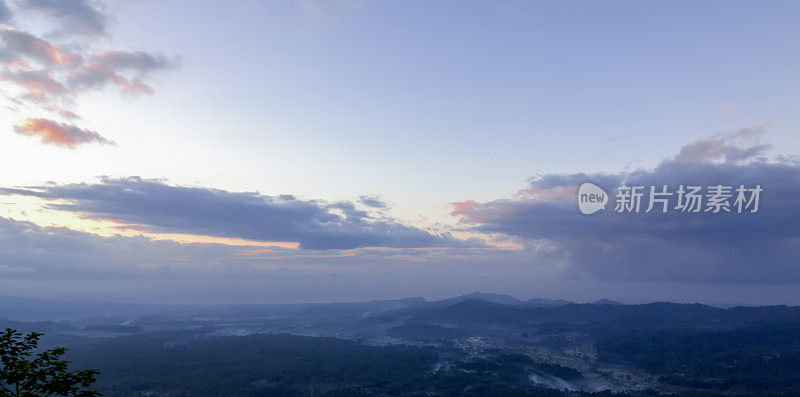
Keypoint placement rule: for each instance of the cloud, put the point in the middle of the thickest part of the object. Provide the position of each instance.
(154, 206)
(5, 13)
(107, 68)
(77, 17)
(126, 70)
(372, 201)
(34, 81)
(55, 262)
(750, 248)
(45, 76)
(59, 263)
(64, 255)
(725, 146)
(59, 134)
(62, 112)
(138, 61)
(18, 45)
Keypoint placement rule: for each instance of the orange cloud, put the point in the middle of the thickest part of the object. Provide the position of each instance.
(59, 134)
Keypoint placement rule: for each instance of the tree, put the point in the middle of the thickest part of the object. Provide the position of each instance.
(24, 374)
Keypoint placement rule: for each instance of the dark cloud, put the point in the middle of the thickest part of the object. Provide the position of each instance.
(349, 211)
(762, 247)
(59, 134)
(155, 206)
(372, 201)
(76, 17)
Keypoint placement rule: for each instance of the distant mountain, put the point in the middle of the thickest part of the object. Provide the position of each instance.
(470, 313)
(479, 296)
(474, 308)
(380, 302)
(605, 302)
(507, 300)
(539, 302)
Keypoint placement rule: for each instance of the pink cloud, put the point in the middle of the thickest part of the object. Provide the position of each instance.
(551, 194)
(59, 134)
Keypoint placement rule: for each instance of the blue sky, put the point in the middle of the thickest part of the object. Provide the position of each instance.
(421, 104)
(496, 91)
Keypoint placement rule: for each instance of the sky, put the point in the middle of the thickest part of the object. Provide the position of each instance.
(304, 151)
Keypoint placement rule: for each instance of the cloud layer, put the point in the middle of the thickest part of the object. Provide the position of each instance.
(53, 262)
(762, 247)
(154, 206)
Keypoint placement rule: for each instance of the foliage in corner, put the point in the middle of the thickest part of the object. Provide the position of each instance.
(25, 374)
